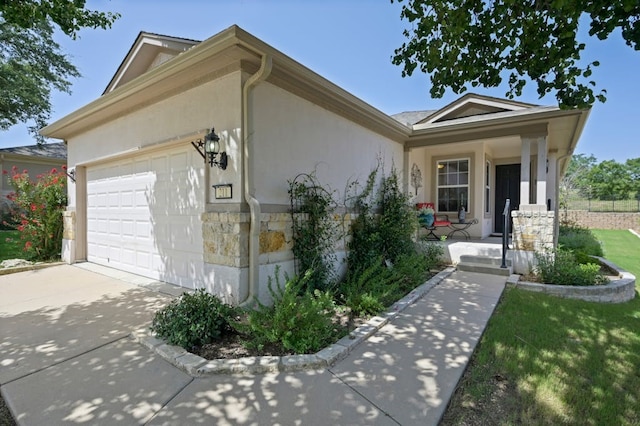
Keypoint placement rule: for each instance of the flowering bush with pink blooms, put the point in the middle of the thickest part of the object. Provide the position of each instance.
(37, 211)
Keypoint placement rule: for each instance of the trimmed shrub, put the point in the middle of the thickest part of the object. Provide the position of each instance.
(562, 268)
(193, 320)
(369, 292)
(432, 252)
(579, 240)
(300, 321)
(379, 286)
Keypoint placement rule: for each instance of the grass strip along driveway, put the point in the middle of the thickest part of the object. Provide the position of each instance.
(10, 245)
(545, 360)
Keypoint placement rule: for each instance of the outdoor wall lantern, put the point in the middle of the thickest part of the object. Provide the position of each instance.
(209, 148)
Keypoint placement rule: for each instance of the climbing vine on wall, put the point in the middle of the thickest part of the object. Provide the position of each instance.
(314, 230)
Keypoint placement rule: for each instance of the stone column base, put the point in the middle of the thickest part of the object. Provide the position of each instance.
(533, 229)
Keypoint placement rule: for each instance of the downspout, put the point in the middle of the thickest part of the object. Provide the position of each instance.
(254, 204)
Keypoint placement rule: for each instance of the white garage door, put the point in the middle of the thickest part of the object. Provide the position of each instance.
(143, 215)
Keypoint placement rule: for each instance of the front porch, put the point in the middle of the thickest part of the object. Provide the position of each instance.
(484, 256)
(488, 247)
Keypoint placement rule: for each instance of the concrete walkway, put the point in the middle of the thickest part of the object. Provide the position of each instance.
(66, 358)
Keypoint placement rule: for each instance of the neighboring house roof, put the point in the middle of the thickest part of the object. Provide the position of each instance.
(148, 51)
(47, 150)
(409, 118)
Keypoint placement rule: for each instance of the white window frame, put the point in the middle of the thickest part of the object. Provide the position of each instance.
(466, 202)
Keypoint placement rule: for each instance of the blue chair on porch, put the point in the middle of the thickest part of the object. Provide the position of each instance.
(437, 220)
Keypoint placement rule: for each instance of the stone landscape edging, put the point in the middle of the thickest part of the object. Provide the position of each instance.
(619, 290)
(197, 366)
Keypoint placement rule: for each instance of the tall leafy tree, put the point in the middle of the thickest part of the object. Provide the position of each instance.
(69, 15)
(576, 179)
(610, 180)
(32, 64)
(633, 166)
(482, 42)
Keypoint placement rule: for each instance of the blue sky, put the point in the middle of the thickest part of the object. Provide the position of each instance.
(347, 42)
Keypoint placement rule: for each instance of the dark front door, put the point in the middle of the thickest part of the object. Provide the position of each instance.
(507, 186)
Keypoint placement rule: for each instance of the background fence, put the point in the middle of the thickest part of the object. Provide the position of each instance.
(596, 205)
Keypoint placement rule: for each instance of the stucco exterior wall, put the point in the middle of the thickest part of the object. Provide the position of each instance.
(474, 151)
(419, 158)
(291, 135)
(214, 103)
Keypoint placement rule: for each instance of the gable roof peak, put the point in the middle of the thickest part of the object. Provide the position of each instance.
(148, 51)
(474, 104)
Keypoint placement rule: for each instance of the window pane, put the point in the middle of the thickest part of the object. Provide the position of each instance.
(453, 185)
(443, 199)
(487, 195)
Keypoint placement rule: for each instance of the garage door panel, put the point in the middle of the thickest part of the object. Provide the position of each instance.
(143, 215)
(113, 253)
(128, 228)
(143, 260)
(140, 198)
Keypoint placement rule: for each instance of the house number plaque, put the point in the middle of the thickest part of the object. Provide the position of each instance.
(223, 192)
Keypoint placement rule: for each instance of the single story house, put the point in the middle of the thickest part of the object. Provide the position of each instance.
(145, 201)
(36, 159)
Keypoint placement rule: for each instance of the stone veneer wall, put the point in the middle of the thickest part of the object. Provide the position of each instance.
(533, 228)
(602, 220)
(226, 238)
(68, 253)
(69, 225)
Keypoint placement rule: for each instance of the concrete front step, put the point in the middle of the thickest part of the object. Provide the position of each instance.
(485, 260)
(485, 268)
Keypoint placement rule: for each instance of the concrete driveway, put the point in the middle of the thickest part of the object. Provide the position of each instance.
(52, 321)
(66, 358)
(54, 314)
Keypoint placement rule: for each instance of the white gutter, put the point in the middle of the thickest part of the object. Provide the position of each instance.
(254, 204)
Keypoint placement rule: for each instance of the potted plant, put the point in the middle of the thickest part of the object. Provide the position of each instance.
(426, 214)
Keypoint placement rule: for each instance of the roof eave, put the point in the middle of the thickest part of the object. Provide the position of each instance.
(287, 73)
(577, 133)
(533, 122)
(81, 118)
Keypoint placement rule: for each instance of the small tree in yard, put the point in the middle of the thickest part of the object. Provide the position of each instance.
(37, 211)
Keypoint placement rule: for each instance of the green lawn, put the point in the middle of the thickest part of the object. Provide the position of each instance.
(10, 245)
(545, 360)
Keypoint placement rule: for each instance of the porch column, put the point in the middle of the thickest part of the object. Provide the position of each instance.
(525, 170)
(541, 179)
(533, 225)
